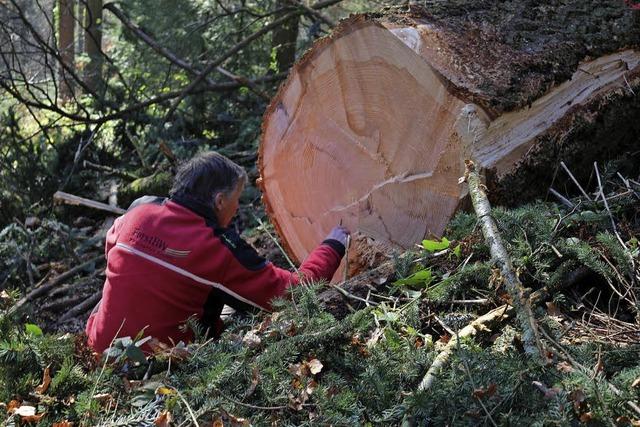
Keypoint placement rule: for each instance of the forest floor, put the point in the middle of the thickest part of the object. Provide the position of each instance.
(355, 353)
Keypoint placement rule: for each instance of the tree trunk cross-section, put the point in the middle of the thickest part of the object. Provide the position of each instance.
(374, 123)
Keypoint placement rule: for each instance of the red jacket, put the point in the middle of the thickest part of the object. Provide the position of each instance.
(167, 260)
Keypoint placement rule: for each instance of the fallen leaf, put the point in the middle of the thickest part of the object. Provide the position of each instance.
(623, 421)
(32, 418)
(564, 367)
(251, 340)
(64, 423)
(237, 421)
(164, 419)
(264, 325)
(553, 310)
(311, 387)
(46, 380)
(481, 393)
(578, 398)
(445, 338)
(217, 423)
(636, 383)
(599, 367)
(549, 393)
(298, 370)
(103, 398)
(586, 417)
(635, 423)
(315, 366)
(12, 406)
(25, 411)
(130, 385)
(255, 380)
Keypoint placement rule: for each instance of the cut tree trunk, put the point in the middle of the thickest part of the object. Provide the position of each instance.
(374, 123)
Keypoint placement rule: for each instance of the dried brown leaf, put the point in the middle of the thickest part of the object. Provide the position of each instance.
(164, 419)
(553, 310)
(32, 418)
(586, 417)
(255, 380)
(549, 393)
(64, 423)
(12, 406)
(46, 380)
(564, 367)
(481, 393)
(623, 421)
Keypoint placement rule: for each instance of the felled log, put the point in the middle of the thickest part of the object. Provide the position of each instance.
(371, 125)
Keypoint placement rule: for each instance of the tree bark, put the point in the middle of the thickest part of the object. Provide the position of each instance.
(284, 39)
(371, 126)
(66, 47)
(93, 44)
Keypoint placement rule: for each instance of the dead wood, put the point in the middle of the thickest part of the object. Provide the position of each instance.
(70, 199)
(492, 319)
(482, 323)
(82, 308)
(516, 290)
(41, 290)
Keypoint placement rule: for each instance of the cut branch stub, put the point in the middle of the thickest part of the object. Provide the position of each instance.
(371, 126)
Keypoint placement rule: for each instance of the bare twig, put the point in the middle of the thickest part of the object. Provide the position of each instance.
(561, 198)
(501, 258)
(632, 405)
(575, 181)
(604, 198)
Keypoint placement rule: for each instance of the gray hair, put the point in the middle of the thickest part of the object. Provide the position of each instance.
(206, 175)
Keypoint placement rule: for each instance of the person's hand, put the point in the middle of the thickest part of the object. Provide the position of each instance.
(339, 233)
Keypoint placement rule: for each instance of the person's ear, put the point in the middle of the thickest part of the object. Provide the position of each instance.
(218, 201)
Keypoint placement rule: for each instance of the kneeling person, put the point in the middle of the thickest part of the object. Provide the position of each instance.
(170, 259)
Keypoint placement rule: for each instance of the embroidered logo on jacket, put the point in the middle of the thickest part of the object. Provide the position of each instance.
(151, 243)
(176, 252)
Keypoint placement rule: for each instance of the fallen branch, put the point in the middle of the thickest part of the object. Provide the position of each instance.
(70, 199)
(101, 168)
(54, 282)
(81, 308)
(482, 323)
(500, 256)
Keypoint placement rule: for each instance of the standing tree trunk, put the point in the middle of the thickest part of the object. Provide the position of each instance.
(372, 125)
(284, 39)
(66, 26)
(93, 44)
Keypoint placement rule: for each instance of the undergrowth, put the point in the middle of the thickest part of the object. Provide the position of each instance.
(300, 365)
